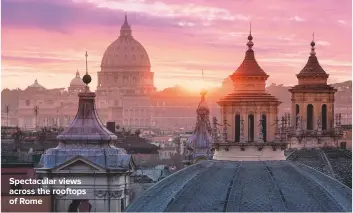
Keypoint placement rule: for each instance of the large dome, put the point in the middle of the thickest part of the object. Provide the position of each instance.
(77, 81)
(125, 52)
(242, 186)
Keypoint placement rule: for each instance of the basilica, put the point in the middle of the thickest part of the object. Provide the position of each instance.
(125, 92)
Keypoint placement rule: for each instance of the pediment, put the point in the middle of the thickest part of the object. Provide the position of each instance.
(78, 164)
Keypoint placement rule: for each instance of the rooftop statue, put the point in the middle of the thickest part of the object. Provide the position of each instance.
(199, 144)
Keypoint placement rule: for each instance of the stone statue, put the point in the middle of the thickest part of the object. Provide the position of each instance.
(242, 140)
(298, 122)
(261, 129)
(318, 122)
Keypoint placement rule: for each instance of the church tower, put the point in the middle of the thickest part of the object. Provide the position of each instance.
(249, 116)
(249, 103)
(312, 99)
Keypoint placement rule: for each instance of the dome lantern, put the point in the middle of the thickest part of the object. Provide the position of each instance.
(125, 30)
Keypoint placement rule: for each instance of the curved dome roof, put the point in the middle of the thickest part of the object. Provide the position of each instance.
(125, 51)
(77, 81)
(244, 186)
(36, 85)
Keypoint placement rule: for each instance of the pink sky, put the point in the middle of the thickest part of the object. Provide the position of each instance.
(47, 39)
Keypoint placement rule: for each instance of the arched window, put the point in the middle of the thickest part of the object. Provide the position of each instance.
(264, 127)
(122, 205)
(297, 111)
(237, 128)
(310, 117)
(251, 127)
(324, 117)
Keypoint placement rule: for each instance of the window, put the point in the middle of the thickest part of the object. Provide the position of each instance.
(122, 205)
(310, 117)
(237, 128)
(264, 127)
(324, 117)
(251, 127)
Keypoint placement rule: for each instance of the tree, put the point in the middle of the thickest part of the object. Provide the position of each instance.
(42, 137)
(117, 127)
(137, 132)
(18, 136)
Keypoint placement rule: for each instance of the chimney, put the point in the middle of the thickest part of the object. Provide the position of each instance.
(111, 126)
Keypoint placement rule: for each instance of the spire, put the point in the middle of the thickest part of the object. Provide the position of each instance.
(201, 140)
(249, 66)
(86, 78)
(77, 74)
(250, 44)
(86, 63)
(86, 126)
(126, 24)
(203, 91)
(36, 81)
(125, 30)
(312, 44)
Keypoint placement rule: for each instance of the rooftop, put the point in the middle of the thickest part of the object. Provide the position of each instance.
(245, 186)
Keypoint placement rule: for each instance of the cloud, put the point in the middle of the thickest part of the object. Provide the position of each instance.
(297, 19)
(342, 22)
(181, 37)
(323, 43)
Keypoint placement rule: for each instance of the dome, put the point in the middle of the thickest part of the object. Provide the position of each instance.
(36, 85)
(243, 186)
(77, 81)
(125, 52)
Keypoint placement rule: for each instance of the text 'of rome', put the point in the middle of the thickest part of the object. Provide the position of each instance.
(176, 106)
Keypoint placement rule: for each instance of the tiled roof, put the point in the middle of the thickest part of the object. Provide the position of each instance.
(249, 66)
(312, 68)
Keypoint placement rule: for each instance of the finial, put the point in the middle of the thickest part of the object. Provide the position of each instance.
(86, 63)
(203, 91)
(77, 74)
(250, 44)
(36, 81)
(312, 44)
(86, 78)
(125, 22)
(250, 36)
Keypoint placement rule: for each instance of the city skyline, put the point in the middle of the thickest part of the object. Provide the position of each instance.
(181, 39)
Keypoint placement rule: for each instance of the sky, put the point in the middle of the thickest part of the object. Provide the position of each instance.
(47, 39)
